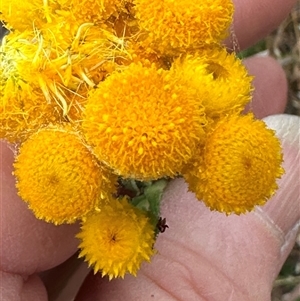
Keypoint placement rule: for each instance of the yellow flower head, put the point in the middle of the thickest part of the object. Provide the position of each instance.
(42, 82)
(91, 10)
(23, 107)
(238, 166)
(29, 14)
(219, 78)
(57, 176)
(142, 123)
(185, 23)
(23, 110)
(116, 239)
(60, 66)
(23, 15)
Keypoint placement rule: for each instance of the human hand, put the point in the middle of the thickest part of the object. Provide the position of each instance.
(204, 254)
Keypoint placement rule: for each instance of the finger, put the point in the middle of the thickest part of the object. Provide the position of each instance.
(284, 212)
(28, 245)
(255, 19)
(18, 288)
(206, 255)
(270, 94)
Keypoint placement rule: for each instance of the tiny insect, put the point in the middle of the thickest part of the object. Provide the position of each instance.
(123, 191)
(161, 225)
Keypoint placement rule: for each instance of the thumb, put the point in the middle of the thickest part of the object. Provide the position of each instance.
(206, 255)
(283, 213)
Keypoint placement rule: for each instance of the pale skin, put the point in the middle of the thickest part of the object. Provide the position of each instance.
(203, 255)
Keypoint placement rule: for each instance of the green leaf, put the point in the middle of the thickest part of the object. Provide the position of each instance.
(150, 200)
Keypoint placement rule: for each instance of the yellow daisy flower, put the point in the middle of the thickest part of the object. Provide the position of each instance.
(238, 167)
(178, 25)
(220, 79)
(116, 239)
(57, 176)
(142, 123)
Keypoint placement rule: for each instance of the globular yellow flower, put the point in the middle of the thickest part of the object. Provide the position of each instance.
(219, 78)
(238, 167)
(57, 176)
(142, 123)
(23, 110)
(179, 25)
(26, 14)
(31, 14)
(90, 10)
(43, 83)
(62, 66)
(23, 106)
(116, 239)
(79, 42)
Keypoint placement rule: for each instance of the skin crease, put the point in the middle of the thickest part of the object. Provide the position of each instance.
(204, 255)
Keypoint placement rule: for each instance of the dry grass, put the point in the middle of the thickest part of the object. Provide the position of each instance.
(284, 45)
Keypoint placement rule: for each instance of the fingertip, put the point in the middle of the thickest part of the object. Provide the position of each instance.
(253, 20)
(284, 208)
(14, 287)
(34, 289)
(270, 86)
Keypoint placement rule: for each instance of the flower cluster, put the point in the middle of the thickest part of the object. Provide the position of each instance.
(108, 100)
